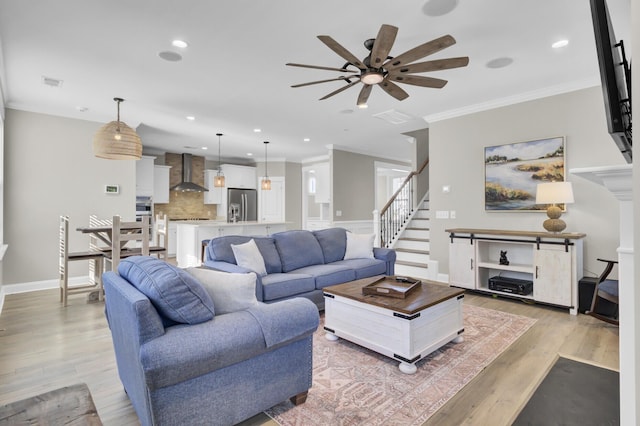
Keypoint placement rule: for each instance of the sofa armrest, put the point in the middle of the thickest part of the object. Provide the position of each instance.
(231, 267)
(287, 320)
(188, 351)
(389, 257)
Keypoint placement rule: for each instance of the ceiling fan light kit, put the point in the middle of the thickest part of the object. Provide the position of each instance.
(378, 68)
(117, 141)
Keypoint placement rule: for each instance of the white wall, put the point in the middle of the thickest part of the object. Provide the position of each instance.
(457, 154)
(50, 171)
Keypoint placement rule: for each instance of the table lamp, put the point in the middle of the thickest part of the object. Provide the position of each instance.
(554, 193)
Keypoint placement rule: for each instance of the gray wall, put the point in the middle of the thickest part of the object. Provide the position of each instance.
(421, 155)
(293, 194)
(51, 171)
(457, 153)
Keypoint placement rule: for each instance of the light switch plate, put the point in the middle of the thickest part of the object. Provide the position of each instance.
(442, 214)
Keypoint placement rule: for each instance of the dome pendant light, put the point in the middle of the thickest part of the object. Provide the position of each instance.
(218, 181)
(117, 141)
(266, 182)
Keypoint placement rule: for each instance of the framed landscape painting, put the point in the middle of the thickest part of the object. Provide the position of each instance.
(512, 173)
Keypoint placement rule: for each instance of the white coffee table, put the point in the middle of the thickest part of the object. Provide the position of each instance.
(403, 329)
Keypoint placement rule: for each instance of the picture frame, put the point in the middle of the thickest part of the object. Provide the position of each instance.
(112, 189)
(513, 171)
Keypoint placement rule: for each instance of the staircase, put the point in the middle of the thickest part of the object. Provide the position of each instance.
(412, 247)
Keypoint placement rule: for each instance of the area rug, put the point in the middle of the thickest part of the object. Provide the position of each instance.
(71, 405)
(574, 393)
(355, 386)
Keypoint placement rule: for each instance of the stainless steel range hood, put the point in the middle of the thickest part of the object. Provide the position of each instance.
(186, 185)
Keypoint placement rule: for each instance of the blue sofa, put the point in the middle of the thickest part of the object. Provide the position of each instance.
(183, 364)
(300, 263)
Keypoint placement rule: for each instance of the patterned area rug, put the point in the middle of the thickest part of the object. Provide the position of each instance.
(355, 386)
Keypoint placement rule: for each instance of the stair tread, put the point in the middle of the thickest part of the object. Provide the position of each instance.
(423, 240)
(407, 250)
(416, 264)
(416, 229)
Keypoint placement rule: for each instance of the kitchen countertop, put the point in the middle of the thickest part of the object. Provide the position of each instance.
(222, 222)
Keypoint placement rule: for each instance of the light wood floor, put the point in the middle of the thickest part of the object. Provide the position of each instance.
(44, 346)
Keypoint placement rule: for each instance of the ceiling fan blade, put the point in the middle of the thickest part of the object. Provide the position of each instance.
(318, 67)
(335, 92)
(437, 65)
(337, 47)
(417, 80)
(319, 81)
(421, 51)
(393, 89)
(382, 46)
(364, 94)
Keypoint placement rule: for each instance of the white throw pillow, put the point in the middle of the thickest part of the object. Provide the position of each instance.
(359, 246)
(248, 256)
(230, 292)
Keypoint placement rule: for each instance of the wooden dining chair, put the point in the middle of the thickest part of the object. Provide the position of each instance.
(606, 289)
(96, 244)
(95, 259)
(122, 234)
(161, 230)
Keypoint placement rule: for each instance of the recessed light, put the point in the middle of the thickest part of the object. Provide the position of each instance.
(500, 62)
(257, 130)
(204, 148)
(249, 154)
(306, 140)
(560, 43)
(170, 56)
(190, 117)
(179, 43)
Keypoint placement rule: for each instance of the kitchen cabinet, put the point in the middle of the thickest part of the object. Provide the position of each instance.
(144, 176)
(323, 183)
(550, 263)
(214, 195)
(239, 176)
(161, 184)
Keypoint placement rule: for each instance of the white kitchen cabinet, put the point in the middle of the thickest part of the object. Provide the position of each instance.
(271, 203)
(172, 241)
(161, 184)
(239, 176)
(214, 195)
(323, 183)
(144, 176)
(550, 263)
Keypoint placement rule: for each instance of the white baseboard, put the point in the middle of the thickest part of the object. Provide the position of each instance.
(37, 286)
(444, 278)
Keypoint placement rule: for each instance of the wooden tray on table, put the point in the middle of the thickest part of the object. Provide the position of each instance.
(392, 286)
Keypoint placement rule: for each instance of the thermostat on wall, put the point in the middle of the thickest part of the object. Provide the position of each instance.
(112, 189)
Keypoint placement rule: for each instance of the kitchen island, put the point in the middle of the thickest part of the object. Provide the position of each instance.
(190, 233)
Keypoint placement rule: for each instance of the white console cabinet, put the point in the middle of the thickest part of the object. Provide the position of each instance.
(551, 262)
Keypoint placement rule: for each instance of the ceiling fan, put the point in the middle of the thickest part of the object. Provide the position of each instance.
(378, 68)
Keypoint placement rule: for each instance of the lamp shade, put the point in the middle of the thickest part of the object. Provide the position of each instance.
(117, 141)
(554, 193)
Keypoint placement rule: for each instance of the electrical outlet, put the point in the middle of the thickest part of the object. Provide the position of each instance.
(452, 214)
(338, 213)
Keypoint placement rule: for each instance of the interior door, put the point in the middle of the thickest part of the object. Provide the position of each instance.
(272, 202)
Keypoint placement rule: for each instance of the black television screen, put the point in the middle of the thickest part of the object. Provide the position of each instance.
(615, 76)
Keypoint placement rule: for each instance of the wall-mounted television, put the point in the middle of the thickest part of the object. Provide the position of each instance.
(615, 74)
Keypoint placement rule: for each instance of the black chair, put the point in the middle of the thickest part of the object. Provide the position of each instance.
(607, 290)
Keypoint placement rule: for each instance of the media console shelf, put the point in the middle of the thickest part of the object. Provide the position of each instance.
(542, 267)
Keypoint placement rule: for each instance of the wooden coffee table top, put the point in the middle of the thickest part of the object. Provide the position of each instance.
(430, 293)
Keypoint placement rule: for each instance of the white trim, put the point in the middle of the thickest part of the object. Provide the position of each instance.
(41, 285)
(511, 100)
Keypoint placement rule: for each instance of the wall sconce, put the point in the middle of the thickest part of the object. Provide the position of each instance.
(266, 182)
(117, 141)
(554, 193)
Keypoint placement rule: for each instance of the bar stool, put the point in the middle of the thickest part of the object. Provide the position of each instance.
(161, 227)
(95, 257)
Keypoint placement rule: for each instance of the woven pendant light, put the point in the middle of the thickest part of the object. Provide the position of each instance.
(117, 141)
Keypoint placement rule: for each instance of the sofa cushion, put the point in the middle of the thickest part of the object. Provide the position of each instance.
(326, 275)
(298, 249)
(230, 292)
(365, 267)
(248, 256)
(333, 242)
(359, 246)
(219, 249)
(175, 294)
(276, 286)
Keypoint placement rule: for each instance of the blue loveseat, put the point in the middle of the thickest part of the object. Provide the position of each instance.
(181, 363)
(300, 263)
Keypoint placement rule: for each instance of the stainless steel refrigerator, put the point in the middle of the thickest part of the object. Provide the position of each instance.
(242, 205)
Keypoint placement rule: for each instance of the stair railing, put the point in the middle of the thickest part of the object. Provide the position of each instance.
(395, 214)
